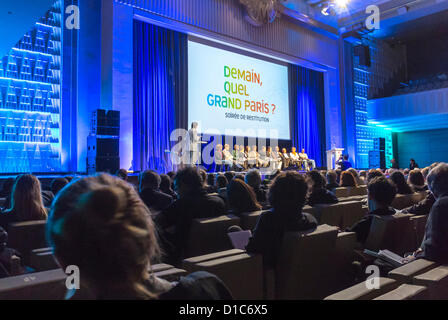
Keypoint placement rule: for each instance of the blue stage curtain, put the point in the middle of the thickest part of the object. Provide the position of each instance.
(160, 98)
(308, 112)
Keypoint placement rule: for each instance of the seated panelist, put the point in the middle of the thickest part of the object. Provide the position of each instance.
(263, 159)
(285, 158)
(310, 164)
(219, 157)
(274, 158)
(253, 157)
(294, 158)
(228, 157)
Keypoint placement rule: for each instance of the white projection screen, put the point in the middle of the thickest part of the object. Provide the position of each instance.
(237, 94)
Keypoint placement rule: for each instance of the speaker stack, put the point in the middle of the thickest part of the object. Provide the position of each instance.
(377, 156)
(103, 142)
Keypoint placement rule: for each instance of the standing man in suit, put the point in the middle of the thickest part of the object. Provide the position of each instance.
(413, 165)
(193, 145)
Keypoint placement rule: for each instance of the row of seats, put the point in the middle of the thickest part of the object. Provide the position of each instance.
(344, 192)
(420, 279)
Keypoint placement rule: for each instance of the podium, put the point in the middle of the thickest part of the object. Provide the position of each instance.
(332, 157)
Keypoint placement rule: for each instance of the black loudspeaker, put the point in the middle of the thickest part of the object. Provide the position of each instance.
(103, 144)
(379, 144)
(377, 159)
(363, 53)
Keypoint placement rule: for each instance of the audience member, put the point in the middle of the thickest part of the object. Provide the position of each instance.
(348, 180)
(417, 181)
(57, 185)
(6, 192)
(318, 192)
(26, 202)
(150, 193)
(193, 203)
(122, 174)
(400, 182)
(354, 172)
(241, 198)
(287, 196)
(381, 193)
(100, 225)
(253, 179)
(332, 178)
(165, 185)
(374, 173)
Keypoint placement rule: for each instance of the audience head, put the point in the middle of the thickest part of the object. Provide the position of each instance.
(188, 182)
(26, 200)
(374, 173)
(381, 193)
(348, 180)
(203, 175)
(400, 182)
(316, 180)
(288, 192)
(229, 175)
(122, 174)
(332, 176)
(253, 178)
(416, 178)
(58, 184)
(425, 172)
(241, 198)
(438, 180)
(239, 176)
(211, 179)
(165, 183)
(221, 181)
(363, 174)
(100, 225)
(149, 180)
(171, 174)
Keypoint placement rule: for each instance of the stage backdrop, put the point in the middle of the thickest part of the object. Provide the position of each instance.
(308, 112)
(161, 101)
(160, 93)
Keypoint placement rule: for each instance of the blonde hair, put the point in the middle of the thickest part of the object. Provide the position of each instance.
(26, 199)
(100, 225)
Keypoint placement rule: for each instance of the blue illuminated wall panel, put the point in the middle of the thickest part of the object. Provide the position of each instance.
(30, 99)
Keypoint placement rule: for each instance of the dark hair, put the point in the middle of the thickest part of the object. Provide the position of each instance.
(221, 181)
(122, 174)
(382, 190)
(373, 173)
(332, 176)
(211, 179)
(101, 225)
(229, 175)
(203, 175)
(241, 198)
(416, 178)
(58, 184)
(348, 180)
(171, 174)
(239, 176)
(191, 178)
(253, 178)
(317, 179)
(165, 183)
(149, 179)
(345, 157)
(400, 182)
(288, 191)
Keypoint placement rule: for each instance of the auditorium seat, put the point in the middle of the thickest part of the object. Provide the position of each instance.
(42, 259)
(357, 191)
(249, 219)
(394, 233)
(171, 274)
(405, 292)
(209, 235)
(419, 224)
(361, 292)
(47, 285)
(27, 236)
(242, 273)
(402, 201)
(343, 257)
(341, 192)
(302, 269)
(436, 280)
(406, 273)
(353, 198)
(342, 215)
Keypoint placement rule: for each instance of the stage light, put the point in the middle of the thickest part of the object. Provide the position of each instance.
(341, 3)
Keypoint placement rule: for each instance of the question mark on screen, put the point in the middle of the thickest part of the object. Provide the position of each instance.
(273, 109)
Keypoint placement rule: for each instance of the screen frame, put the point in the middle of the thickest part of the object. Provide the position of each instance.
(251, 54)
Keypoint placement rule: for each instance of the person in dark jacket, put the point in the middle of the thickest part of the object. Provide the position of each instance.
(149, 191)
(381, 193)
(413, 165)
(423, 207)
(434, 246)
(253, 179)
(241, 198)
(332, 180)
(193, 203)
(399, 180)
(318, 193)
(287, 196)
(165, 185)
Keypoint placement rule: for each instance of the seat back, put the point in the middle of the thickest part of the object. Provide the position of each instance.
(241, 273)
(341, 192)
(302, 270)
(402, 201)
(361, 292)
(342, 215)
(47, 285)
(210, 235)
(27, 236)
(43, 259)
(352, 213)
(394, 233)
(419, 223)
(249, 220)
(357, 191)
